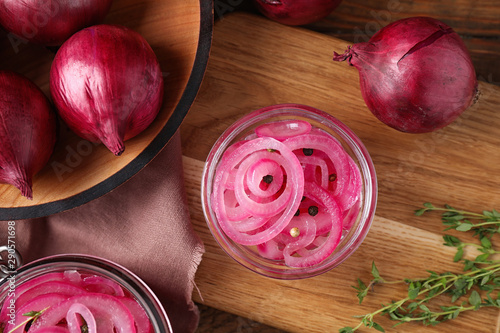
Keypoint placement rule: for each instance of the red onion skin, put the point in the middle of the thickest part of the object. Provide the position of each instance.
(416, 74)
(296, 12)
(27, 131)
(51, 22)
(107, 85)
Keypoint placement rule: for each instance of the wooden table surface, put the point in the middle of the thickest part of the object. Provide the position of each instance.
(476, 21)
(256, 62)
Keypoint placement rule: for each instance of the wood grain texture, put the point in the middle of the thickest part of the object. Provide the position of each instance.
(477, 22)
(216, 321)
(172, 28)
(255, 63)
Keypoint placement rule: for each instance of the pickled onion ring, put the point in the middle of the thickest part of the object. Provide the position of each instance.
(64, 304)
(74, 322)
(284, 129)
(311, 163)
(101, 305)
(332, 149)
(38, 304)
(234, 211)
(352, 193)
(307, 228)
(23, 288)
(271, 249)
(52, 287)
(287, 174)
(292, 190)
(312, 257)
(101, 285)
(266, 209)
(251, 223)
(351, 215)
(141, 318)
(258, 171)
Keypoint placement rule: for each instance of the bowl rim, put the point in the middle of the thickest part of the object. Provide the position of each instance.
(344, 130)
(154, 147)
(98, 264)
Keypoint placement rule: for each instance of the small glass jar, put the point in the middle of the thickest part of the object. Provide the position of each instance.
(133, 286)
(351, 239)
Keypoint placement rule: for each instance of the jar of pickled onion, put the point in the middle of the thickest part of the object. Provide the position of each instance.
(77, 293)
(289, 191)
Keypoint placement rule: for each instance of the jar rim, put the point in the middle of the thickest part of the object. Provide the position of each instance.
(101, 266)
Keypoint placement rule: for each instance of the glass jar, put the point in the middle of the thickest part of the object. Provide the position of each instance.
(87, 265)
(245, 129)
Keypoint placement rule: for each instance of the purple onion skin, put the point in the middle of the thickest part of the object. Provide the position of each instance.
(27, 131)
(107, 85)
(416, 74)
(51, 22)
(296, 12)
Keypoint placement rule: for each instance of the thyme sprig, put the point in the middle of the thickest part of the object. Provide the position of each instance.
(485, 223)
(32, 316)
(480, 276)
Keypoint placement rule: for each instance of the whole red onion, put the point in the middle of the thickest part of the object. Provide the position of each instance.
(107, 84)
(416, 74)
(27, 131)
(296, 12)
(51, 22)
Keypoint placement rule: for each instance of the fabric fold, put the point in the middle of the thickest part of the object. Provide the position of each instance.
(143, 224)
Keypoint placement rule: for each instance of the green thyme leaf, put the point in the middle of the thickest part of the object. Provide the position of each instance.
(378, 327)
(475, 299)
(481, 274)
(466, 226)
(413, 291)
(375, 271)
(32, 314)
(485, 242)
(458, 256)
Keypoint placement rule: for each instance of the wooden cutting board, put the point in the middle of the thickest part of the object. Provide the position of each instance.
(255, 63)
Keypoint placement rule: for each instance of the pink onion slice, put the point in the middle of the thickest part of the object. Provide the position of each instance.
(311, 164)
(75, 323)
(284, 129)
(141, 319)
(257, 172)
(323, 223)
(331, 148)
(73, 276)
(253, 223)
(37, 304)
(307, 228)
(317, 255)
(234, 211)
(266, 209)
(351, 215)
(52, 287)
(101, 306)
(102, 285)
(23, 288)
(353, 192)
(272, 249)
(292, 189)
(259, 184)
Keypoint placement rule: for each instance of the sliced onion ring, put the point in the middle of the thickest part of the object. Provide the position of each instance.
(284, 129)
(312, 257)
(293, 189)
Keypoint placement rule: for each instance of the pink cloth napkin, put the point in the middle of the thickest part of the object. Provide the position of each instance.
(143, 225)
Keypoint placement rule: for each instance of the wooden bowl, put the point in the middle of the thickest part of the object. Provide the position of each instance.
(180, 33)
